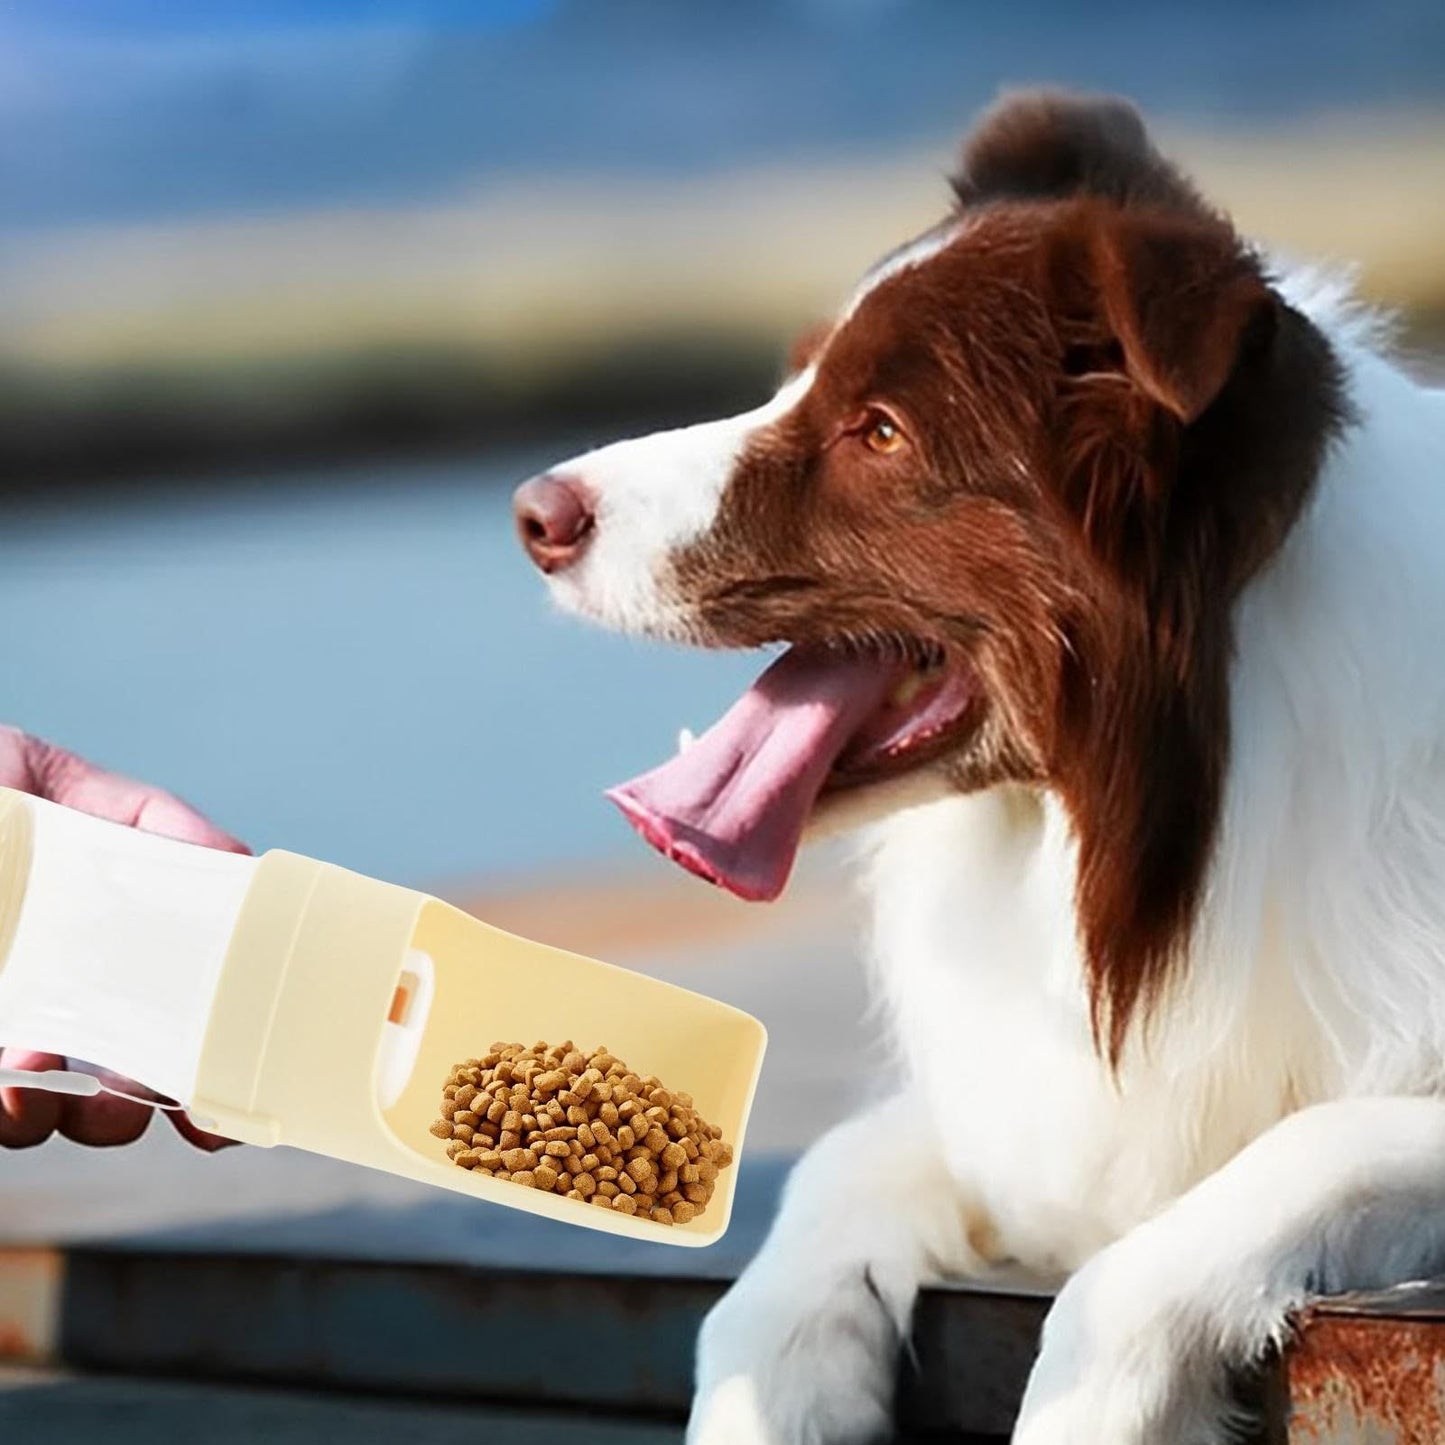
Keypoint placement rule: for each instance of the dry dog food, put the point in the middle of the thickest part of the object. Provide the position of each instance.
(583, 1126)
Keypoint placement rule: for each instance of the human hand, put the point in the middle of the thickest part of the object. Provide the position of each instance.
(30, 1116)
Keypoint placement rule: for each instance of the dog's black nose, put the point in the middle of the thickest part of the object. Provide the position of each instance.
(554, 520)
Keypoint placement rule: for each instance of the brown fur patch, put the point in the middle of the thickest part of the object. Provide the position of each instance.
(808, 346)
(1112, 421)
(1050, 145)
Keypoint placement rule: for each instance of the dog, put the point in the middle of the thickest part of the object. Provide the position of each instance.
(1110, 561)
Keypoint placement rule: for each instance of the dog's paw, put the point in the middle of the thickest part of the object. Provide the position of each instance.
(806, 1366)
(1127, 1359)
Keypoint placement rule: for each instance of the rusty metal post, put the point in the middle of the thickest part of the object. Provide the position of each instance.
(1366, 1369)
(30, 1286)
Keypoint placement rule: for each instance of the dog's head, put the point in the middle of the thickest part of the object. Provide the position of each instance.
(999, 511)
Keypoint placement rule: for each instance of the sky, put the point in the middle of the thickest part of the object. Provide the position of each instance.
(120, 110)
(166, 17)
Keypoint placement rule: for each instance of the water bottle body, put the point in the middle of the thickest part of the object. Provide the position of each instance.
(112, 941)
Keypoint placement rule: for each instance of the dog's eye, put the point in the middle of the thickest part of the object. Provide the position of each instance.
(882, 434)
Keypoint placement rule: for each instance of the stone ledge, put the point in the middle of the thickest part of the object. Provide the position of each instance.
(1361, 1370)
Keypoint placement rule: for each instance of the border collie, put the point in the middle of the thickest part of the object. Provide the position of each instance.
(1111, 564)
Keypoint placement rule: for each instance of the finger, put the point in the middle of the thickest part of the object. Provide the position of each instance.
(108, 1126)
(193, 1134)
(107, 795)
(16, 749)
(164, 813)
(28, 1116)
(102, 1120)
(67, 778)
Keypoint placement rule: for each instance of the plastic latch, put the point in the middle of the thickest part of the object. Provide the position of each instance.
(52, 1081)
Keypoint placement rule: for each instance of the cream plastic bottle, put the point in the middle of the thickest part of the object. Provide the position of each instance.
(284, 1000)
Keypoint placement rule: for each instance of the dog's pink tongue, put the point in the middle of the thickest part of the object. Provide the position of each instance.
(732, 807)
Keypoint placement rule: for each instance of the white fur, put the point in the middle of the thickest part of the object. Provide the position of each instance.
(1280, 1128)
(653, 495)
(907, 256)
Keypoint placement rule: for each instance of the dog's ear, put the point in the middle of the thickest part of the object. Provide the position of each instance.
(1049, 145)
(1171, 292)
(1153, 313)
(1182, 299)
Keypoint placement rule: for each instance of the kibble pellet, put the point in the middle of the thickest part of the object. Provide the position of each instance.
(583, 1126)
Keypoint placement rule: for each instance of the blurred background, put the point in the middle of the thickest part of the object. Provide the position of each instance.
(292, 291)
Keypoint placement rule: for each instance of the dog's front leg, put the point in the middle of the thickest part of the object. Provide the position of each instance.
(804, 1348)
(1141, 1342)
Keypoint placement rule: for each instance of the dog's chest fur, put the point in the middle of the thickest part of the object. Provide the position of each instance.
(975, 957)
(974, 954)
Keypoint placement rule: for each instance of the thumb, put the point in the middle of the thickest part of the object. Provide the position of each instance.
(77, 783)
(163, 813)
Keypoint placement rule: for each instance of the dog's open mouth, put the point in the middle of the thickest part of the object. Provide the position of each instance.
(731, 807)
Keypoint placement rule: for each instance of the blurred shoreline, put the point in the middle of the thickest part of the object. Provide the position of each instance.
(594, 306)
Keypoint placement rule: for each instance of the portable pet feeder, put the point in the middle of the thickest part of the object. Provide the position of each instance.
(287, 1001)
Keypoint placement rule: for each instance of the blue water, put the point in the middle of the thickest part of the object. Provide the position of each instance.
(357, 666)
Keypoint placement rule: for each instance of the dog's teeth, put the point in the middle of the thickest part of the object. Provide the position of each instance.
(907, 690)
(685, 739)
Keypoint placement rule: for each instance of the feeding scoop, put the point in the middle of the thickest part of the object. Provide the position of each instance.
(284, 1000)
